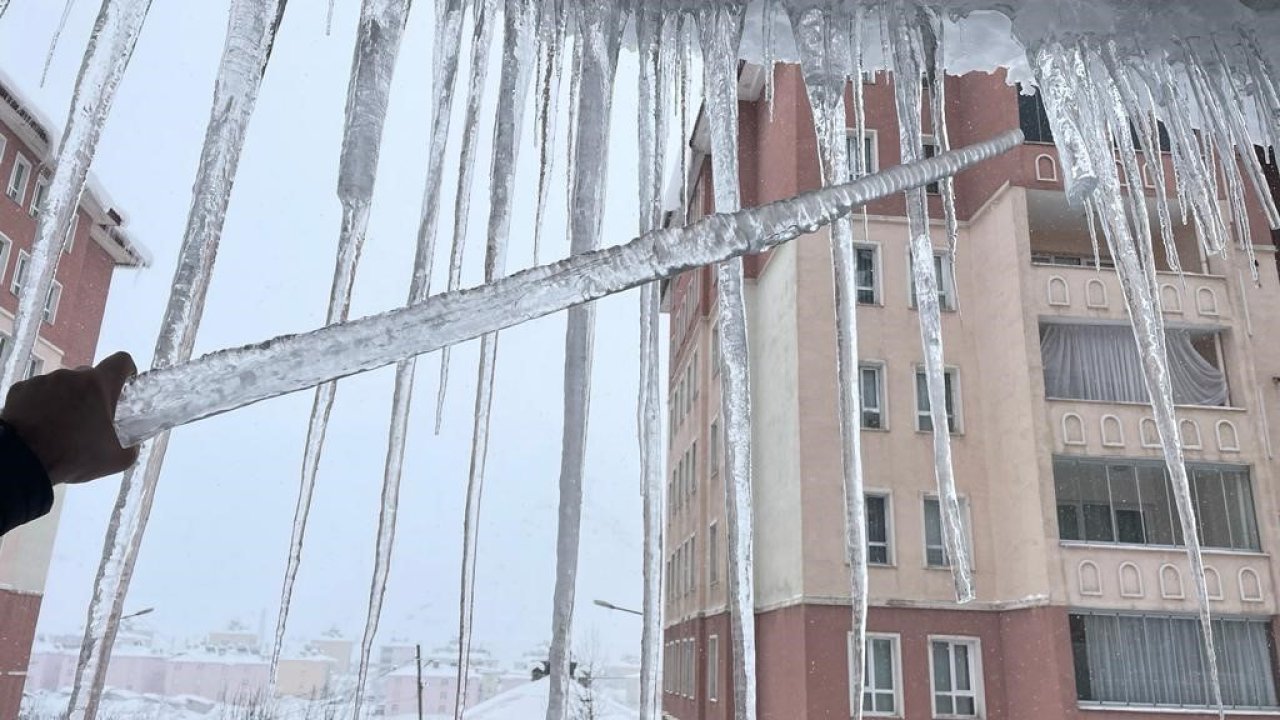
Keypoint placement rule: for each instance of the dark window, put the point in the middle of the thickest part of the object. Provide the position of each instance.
(1033, 119)
(877, 530)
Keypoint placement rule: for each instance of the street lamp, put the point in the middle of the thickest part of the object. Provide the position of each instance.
(140, 613)
(610, 606)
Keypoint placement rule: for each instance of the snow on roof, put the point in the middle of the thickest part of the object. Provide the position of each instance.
(530, 701)
(46, 133)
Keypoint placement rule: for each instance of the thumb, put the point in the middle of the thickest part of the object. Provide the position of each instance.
(113, 372)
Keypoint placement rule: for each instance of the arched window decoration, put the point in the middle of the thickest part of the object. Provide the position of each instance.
(1059, 293)
(1228, 438)
(1112, 431)
(1190, 431)
(1046, 168)
(1072, 429)
(1207, 302)
(1213, 581)
(1095, 293)
(1130, 581)
(1170, 299)
(1150, 435)
(1250, 585)
(1089, 577)
(1171, 583)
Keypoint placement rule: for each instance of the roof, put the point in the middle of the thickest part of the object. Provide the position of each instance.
(37, 132)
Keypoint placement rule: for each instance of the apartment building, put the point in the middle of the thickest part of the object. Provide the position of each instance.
(1085, 605)
(96, 246)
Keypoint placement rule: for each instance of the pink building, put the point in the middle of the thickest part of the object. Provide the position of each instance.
(223, 676)
(1085, 607)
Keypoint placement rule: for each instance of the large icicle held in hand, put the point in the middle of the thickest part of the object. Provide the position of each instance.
(519, 19)
(381, 27)
(720, 25)
(110, 47)
(654, 121)
(485, 11)
(906, 25)
(823, 35)
(600, 27)
(236, 377)
(251, 31)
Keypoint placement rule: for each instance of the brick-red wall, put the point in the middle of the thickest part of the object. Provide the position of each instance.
(18, 612)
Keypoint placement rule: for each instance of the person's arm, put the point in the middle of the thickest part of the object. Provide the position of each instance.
(57, 428)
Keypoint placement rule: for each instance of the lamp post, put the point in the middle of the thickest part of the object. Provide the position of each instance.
(140, 613)
(610, 606)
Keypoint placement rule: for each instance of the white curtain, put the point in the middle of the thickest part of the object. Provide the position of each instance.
(1157, 660)
(1101, 362)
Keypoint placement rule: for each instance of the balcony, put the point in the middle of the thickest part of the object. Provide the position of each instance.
(1062, 291)
(1102, 429)
(1156, 578)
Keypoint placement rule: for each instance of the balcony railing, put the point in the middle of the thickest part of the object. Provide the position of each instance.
(1209, 434)
(1083, 292)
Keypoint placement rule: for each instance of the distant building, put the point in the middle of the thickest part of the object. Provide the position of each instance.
(96, 245)
(229, 676)
(333, 645)
(304, 676)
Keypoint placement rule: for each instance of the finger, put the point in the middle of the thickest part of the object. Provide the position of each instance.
(114, 372)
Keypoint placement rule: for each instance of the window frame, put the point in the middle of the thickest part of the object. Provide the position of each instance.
(929, 142)
(946, 284)
(965, 519)
(52, 301)
(895, 649)
(42, 184)
(19, 194)
(15, 282)
(877, 274)
(713, 667)
(713, 554)
(889, 544)
(952, 373)
(869, 135)
(881, 370)
(977, 691)
(714, 450)
(6, 249)
(69, 242)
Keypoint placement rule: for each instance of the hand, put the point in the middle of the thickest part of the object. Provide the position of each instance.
(66, 417)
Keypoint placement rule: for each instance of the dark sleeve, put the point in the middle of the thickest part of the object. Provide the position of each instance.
(25, 490)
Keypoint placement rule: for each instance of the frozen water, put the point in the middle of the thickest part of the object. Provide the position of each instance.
(251, 30)
(53, 42)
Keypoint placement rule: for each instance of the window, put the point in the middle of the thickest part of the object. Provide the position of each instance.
(942, 276)
(1156, 660)
(35, 367)
(924, 420)
(957, 677)
(882, 675)
(878, 547)
(41, 192)
(865, 276)
(18, 178)
(930, 148)
(691, 566)
(871, 379)
(713, 555)
(20, 272)
(1101, 362)
(1131, 501)
(870, 153)
(935, 547)
(1033, 119)
(713, 452)
(70, 243)
(6, 245)
(713, 668)
(51, 302)
(693, 468)
(1069, 260)
(715, 348)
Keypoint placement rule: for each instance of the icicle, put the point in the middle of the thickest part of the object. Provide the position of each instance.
(768, 16)
(53, 42)
(720, 24)
(904, 25)
(822, 39)
(251, 29)
(938, 114)
(653, 122)
(518, 45)
(599, 29)
(328, 19)
(110, 47)
(552, 37)
(685, 67)
(234, 378)
(381, 27)
(480, 43)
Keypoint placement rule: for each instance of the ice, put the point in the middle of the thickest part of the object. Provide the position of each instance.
(905, 28)
(328, 21)
(600, 28)
(53, 42)
(519, 35)
(552, 22)
(110, 47)
(251, 29)
(654, 123)
(381, 27)
(483, 38)
(823, 33)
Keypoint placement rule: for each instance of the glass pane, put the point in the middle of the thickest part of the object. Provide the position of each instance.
(1211, 508)
(941, 667)
(1244, 523)
(1095, 503)
(1067, 489)
(965, 706)
(876, 526)
(1125, 503)
(883, 660)
(885, 703)
(1157, 506)
(949, 385)
(943, 705)
(867, 702)
(878, 555)
(865, 278)
(932, 523)
(963, 681)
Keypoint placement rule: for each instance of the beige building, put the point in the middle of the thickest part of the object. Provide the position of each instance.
(1085, 605)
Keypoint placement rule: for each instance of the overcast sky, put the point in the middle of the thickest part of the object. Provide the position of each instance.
(220, 527)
